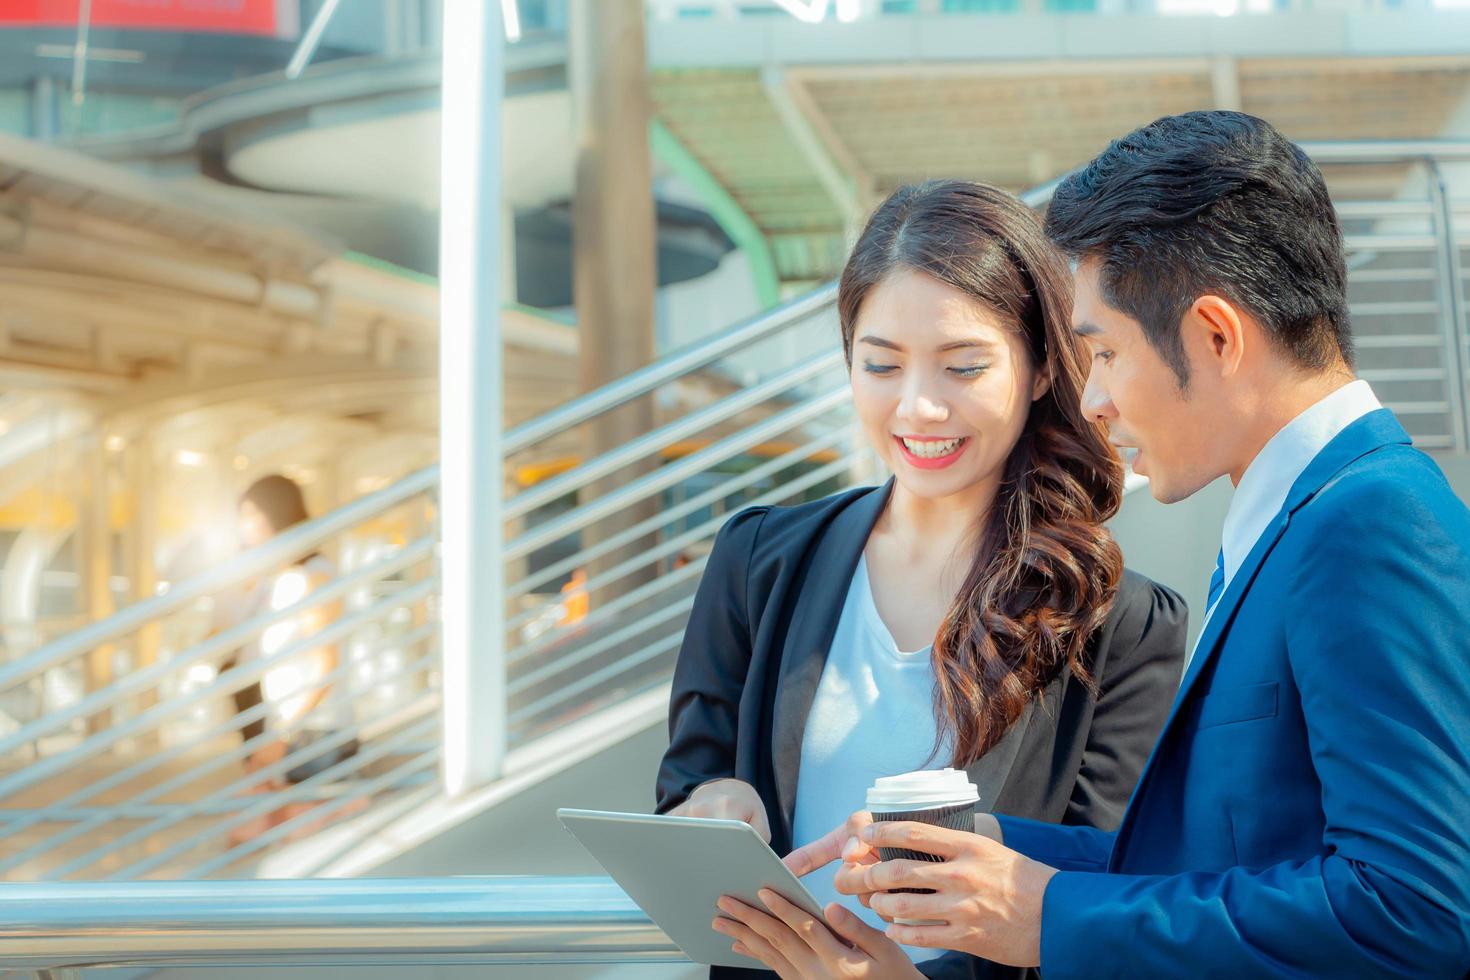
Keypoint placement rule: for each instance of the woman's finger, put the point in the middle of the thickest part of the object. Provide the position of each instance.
(747, 942)
(857, 932)
(812, 931)
(828, 848)
(761, 824)
(818, 854)
(771, 929)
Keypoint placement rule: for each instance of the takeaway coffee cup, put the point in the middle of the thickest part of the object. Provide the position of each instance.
(942, 797)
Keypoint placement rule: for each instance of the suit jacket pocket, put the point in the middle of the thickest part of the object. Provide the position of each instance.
(1237, 704)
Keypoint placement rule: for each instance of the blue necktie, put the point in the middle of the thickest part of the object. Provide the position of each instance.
(1217, 582)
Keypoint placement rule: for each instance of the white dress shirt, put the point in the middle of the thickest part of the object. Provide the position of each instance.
(1268, 479)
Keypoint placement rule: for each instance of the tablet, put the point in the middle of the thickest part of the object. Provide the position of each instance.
(676, 868)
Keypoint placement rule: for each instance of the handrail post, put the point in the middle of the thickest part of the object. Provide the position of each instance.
(1451, 304)
(471, 486)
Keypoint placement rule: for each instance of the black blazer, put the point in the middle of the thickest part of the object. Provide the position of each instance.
(763, 619)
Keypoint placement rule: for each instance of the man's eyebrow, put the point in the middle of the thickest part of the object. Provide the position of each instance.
(1087, 329)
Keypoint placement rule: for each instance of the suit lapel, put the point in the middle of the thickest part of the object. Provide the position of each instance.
(823, 593)
(1372, 431)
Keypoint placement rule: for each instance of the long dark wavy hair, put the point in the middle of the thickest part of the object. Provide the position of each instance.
(1045, 571)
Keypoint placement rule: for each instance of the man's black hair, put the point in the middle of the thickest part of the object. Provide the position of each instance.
(1211, 202)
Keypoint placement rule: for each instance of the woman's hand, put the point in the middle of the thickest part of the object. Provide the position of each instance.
(800, 947)
(267, 755)
(845, 842)
(727, 799)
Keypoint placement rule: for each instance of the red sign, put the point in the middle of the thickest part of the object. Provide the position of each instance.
(215, 16)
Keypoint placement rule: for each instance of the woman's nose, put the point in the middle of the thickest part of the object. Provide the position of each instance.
(918, 406)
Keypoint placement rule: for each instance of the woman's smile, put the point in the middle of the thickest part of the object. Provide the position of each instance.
(931, 452)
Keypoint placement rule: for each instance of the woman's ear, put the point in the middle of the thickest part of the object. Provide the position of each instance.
(1042, 383)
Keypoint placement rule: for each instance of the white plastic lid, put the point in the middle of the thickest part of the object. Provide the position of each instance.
(925, 788)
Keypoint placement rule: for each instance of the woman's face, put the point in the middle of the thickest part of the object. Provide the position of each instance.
(942, 386)
(254, 528)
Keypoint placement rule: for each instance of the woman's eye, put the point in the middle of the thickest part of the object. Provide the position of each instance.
(969, 372)
(1103, 355)
(879, 369)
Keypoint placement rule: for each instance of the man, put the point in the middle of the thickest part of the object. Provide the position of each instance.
(1306, 811)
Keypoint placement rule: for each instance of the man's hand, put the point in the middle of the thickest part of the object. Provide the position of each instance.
(988, 896)
(800, 947)
(844, 842)
(727, 799)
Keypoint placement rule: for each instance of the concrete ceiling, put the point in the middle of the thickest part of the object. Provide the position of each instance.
(807, 150)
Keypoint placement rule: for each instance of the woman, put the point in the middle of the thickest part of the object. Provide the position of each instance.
(303, 704)
(973, 611)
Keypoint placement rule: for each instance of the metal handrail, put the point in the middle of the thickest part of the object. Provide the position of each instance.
(691, 357)
(326, 922)
(1384, 151)
(286, 547)
(672, 546)
(750, 477)
(667, 476)
(298, 791)
(216, 646)
(667, 435)
(1451, 301)
(53, 765)
(101, 815)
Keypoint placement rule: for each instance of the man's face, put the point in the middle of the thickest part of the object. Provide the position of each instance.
(1137, 396)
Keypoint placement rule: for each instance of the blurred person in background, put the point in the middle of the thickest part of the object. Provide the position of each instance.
(302, 705)
(973, 611)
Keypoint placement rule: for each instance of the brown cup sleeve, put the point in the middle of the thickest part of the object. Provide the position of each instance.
(961, 816)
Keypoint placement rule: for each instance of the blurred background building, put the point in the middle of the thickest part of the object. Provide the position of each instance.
(220, 228)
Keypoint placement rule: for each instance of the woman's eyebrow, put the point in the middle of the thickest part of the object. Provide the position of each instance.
(952, 345)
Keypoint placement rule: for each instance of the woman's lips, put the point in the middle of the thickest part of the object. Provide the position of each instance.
(934, 463)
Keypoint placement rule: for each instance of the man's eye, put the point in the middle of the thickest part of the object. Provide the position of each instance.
(879, 369)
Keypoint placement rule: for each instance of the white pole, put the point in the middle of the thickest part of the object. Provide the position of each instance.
(470, 424)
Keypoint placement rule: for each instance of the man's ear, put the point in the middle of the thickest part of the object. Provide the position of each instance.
(1221, 326)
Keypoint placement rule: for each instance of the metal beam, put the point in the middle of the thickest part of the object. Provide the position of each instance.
(847, 185)
(471, 380)
(1225, 83)
(734, 219)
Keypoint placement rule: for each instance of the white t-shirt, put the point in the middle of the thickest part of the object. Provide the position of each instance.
(872, 716)
(286, 685)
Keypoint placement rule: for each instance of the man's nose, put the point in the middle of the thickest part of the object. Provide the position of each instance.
(1097, 401)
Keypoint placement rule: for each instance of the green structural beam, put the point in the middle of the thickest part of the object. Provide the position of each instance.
(731, 217)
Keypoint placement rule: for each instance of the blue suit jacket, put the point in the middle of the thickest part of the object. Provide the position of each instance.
(1306, 811)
